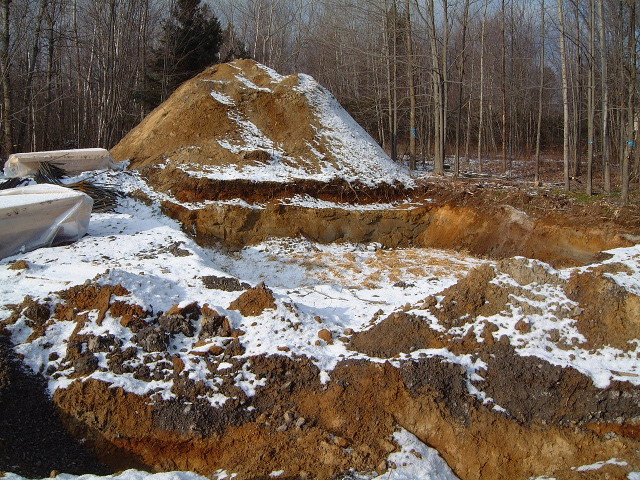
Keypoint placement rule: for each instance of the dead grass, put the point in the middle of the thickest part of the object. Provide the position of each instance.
(374, 269)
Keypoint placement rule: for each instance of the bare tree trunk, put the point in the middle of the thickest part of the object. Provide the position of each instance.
(540, 90)
(142, 74)
(605, 101)
(565, 94)
(387, 45)
(576, 91)
(4, 71)
(28, 131)
(438, 95)
(394, 131)
(445, 75)
(631, 104)
(79, 96)
(503, 88)
(591, 96)
(467, 140)
(50, 61)
(392, 75)
(413, 133)
(461, 65)
(481, 113)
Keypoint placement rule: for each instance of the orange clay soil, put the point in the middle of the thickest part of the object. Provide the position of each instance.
(321, 431)
(555, 418)
(495, 226)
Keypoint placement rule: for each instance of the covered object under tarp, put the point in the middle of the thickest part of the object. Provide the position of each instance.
(72, 161)
(41, 216)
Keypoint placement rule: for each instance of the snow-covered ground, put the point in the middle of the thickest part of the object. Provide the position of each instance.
(343, 284)
(337, 287)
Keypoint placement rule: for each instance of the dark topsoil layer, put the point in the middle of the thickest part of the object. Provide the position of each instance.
(33, 440)
(547, 202)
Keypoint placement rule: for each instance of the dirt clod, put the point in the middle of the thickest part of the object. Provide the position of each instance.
(226, 284)
(152, 339)
(325, 335)
(19, 265)
(254, 301)
(176, 323)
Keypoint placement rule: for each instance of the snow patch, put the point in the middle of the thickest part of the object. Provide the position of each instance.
(599, 465)
(222, 98)
(416, 460)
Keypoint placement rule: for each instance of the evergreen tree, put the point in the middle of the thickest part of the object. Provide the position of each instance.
(191, 42)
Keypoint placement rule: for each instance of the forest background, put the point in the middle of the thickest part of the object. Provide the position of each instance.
(434, 81)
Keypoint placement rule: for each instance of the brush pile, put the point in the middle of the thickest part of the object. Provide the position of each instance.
(105, 198)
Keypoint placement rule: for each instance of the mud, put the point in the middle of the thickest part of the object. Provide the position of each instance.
(254, 301)
(443, 382)
(323, 431)
(199, 419)
(399, 333)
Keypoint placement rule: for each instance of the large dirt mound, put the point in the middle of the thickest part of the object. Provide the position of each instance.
(242, 120)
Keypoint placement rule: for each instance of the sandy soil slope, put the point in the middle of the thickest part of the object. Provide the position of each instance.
(243, 121)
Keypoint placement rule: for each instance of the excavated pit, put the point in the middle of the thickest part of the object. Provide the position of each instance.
(540, 419)
(498, 231)
(324, 431)
(487, 220)
(233, 148)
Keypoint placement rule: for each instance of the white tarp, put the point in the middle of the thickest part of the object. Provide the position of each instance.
(73, 161)
(41, 216)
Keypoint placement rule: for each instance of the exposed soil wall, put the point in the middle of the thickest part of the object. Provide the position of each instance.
(537, 419)
(186, 188)
(494, 232)
(322, 431)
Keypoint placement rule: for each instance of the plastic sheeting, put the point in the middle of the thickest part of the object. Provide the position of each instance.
(41, 216)
(73, 161)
